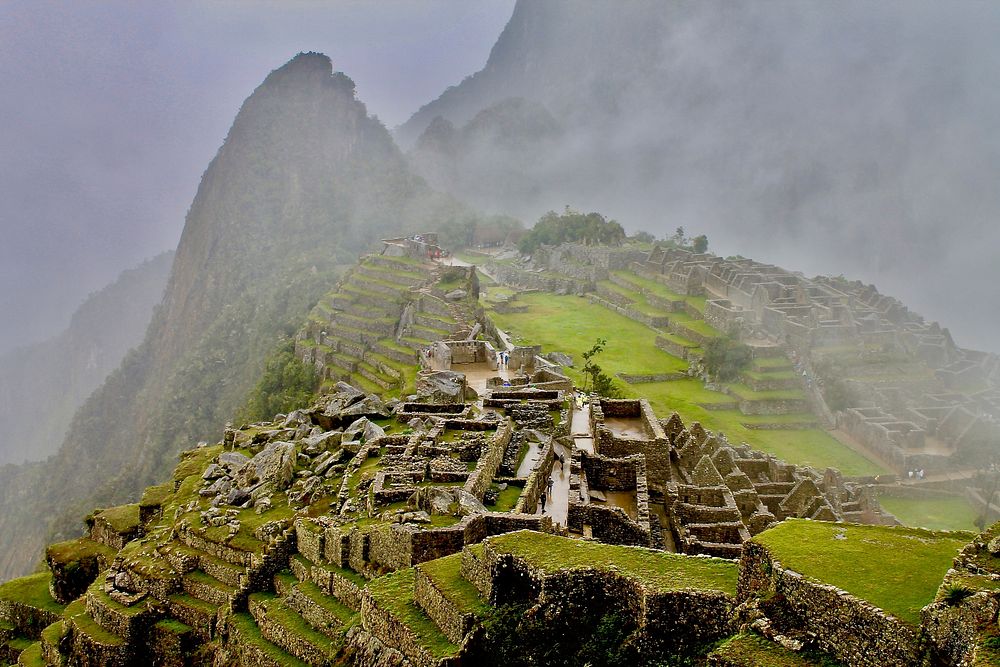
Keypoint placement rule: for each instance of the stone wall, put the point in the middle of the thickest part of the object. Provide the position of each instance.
(848, 628)
(669, 621)
(489, 462)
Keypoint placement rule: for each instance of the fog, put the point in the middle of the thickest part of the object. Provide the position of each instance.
(854, 138)
(110, 112)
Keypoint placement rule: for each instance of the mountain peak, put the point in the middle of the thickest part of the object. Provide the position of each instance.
(309, 68)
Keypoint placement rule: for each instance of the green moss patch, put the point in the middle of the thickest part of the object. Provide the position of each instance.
(897, 569)
(658, 569)
(32, 656)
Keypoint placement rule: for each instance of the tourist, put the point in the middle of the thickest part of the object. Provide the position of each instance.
(544, 498)
(550, 483)
(562, 461)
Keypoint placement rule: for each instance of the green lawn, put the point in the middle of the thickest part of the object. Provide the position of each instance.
(897, 569)
(571, 324)
(660, 570)
(936, 514)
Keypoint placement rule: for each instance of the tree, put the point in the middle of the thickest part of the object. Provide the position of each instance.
(699, 244)
(678, 237)
(572, 226)
(725, 358)
(596, 379)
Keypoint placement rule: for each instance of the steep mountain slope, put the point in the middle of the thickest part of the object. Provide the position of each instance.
(42, 385)
(304, 180)
(829, 138)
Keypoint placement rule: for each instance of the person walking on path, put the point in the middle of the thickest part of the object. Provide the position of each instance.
(544, 498)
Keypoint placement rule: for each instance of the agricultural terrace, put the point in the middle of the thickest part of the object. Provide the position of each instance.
(897, 569)
(571, 324)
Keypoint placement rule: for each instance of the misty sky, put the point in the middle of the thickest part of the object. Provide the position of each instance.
(110, 112)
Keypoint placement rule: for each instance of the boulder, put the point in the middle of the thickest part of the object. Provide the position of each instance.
(560, 358)
(214, 471)
(370, 406)
(373, 431)
(323, 441)
(232, 461)
(456, 295)
(441, 386)
(356, 430)
(272, 468)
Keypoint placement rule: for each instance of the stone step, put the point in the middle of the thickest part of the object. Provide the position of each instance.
(198, 614)
(343, 584)
(368, 371)
(393, 617)
(287, 629)
(221, 570)
(253, 649)
(451, 601)
(91, 644)
(323, 612)
(201, 585)
(393, 350)
(284, 581)
(116, 618)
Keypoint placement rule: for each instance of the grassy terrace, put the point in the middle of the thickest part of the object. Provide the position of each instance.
(247, 631)
(751, 650)
(661, 290)
(660, 570)
(894, 568)
(571, 324)
(446, 573)
(934, 513)
(32, 590)
(394, 593)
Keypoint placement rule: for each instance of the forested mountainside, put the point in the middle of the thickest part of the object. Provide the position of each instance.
(787, 133)
(42, 385)
(303, 182)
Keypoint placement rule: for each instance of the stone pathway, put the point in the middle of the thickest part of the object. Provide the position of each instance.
(557, 506)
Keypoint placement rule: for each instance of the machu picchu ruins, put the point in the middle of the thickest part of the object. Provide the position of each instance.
(451, 470)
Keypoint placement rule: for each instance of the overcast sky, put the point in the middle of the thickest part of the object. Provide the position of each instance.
(110, 112)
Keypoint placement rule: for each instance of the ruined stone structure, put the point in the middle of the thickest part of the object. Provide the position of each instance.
(908, 420)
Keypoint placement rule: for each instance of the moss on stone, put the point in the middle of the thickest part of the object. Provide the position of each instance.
(31, 656)
(122, 519)
(76, 550)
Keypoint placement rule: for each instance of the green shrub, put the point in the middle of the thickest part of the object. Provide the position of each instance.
(725, 358)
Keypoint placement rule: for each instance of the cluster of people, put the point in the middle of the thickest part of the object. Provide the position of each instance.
(503, 359)
(917, 473)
